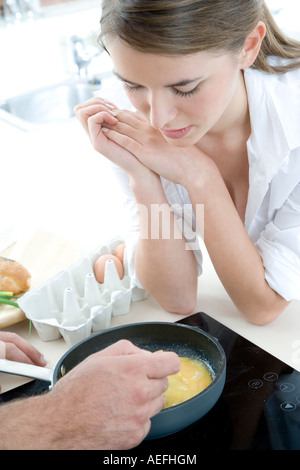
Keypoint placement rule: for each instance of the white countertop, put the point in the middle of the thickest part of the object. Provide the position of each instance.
(53, 181)
(281, 338)
(56, 182)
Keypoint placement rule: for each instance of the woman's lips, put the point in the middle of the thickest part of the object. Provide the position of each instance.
(176, 133)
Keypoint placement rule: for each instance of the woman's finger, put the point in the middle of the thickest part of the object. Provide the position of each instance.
(96, 100)
(84, 113)
(95, 124)
(131, 118)
(123, 140)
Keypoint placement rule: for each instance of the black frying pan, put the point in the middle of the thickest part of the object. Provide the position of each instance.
(184, 340)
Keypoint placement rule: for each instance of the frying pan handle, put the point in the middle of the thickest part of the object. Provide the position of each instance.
(26, 370)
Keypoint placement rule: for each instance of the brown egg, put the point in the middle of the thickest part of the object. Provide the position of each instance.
(119, 252)
(99, 266)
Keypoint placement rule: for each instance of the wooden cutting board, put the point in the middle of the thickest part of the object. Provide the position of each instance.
(44, 254)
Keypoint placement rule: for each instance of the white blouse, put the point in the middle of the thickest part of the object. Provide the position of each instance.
(272, 217)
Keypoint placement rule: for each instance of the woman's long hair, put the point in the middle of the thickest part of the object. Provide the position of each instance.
(176, 27)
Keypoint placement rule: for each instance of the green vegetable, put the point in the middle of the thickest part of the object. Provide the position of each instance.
(6, 294)
(5, 298)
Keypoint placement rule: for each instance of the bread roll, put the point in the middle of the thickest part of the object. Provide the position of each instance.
(13, 276)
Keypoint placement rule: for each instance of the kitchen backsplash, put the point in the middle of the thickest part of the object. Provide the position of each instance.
(43, 3)
(46, 3)
(39, 53)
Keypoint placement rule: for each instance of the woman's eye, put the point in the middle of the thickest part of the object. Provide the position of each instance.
(186, 94)
(131, 88)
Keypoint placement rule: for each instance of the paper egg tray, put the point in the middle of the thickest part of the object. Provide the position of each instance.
(73, 304)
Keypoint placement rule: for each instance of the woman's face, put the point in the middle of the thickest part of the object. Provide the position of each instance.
(185, 97)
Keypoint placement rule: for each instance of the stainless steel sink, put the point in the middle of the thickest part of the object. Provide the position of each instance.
(48, 105)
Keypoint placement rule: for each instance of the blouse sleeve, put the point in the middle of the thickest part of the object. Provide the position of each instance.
(279, 247)
(129, 220)
(181, 209)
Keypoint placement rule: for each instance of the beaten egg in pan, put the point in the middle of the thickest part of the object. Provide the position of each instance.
(194, 376)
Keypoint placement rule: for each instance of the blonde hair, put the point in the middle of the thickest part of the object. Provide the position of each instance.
(176, 27)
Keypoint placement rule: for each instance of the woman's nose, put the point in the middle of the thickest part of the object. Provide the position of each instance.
(162, 110)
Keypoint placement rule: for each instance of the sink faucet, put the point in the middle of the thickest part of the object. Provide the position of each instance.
(18, 10)
(82, 56)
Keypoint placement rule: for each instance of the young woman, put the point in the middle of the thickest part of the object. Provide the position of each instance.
(215, 88)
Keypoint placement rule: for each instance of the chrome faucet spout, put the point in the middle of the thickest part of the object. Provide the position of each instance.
(82, 57)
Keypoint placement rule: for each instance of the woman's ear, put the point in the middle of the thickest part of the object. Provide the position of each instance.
(252, 45)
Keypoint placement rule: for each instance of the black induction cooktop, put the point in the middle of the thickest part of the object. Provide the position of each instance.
(259, 408)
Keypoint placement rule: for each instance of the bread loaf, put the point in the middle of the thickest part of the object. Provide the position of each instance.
(13, 276)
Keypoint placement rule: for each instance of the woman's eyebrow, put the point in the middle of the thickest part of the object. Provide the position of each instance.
(178, 84)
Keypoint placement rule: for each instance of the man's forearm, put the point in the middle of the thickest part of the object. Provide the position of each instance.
(30, 424)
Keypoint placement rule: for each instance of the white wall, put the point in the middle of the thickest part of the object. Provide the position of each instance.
(287, 14)
(35, 53)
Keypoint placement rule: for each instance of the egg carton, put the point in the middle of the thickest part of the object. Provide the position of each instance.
(73, 304)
